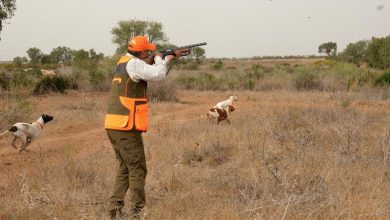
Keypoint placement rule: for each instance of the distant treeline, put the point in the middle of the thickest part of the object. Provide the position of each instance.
(59, 55)
(374, 53)
(274, 57)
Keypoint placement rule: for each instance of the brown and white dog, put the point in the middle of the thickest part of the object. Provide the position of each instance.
(220, 114)
(27, 132)
(230, 101)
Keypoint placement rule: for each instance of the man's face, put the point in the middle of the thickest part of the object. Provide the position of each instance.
(145, 54)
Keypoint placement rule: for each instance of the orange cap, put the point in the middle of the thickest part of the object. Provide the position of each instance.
(140, 43)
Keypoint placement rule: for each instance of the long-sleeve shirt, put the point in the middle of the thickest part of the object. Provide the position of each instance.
(140, 70)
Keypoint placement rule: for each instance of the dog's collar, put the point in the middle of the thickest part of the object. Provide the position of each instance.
(40, 125)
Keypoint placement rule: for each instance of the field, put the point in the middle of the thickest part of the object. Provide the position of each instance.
(287, 154)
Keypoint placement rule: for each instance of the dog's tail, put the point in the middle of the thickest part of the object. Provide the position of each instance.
(5, 132)
(12, 129)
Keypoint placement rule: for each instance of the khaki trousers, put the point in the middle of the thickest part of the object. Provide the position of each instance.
(131, 171)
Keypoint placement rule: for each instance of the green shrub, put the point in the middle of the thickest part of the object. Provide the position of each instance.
(26, 78)
(256, 72)
(202, 81)
(217, 65)
(308, 81)
(250, 84)
(5, 81)
(51, 84)
(383, 80)
(96, 77)
(191, 66)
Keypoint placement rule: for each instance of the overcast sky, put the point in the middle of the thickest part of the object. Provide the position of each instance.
(242, 28)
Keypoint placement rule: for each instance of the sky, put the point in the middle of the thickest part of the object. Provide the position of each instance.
(244, 28)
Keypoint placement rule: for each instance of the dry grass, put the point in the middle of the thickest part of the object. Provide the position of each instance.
(286, 155)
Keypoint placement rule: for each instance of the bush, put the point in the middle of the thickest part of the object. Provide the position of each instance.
(5, 81)
(162, 91)
(191, 66)
(217, 65)
(202, 81)
(383, 80)
(308, 81)
(256, 72)
(51, 84)
(26, 78)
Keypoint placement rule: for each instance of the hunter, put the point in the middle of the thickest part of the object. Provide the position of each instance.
(127, 118)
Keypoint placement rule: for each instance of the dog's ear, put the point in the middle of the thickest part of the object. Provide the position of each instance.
(47, 118)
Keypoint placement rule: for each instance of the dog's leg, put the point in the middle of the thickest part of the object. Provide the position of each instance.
(26, 142)
(13, 143)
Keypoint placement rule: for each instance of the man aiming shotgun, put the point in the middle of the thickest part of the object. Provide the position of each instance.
(127, 118)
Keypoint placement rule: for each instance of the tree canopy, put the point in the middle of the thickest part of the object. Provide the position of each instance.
(128, 29)
(330, 48)
(35, 55)
(7, 8)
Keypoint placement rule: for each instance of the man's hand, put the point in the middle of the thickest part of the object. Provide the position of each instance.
(156, 53)
(178, 54)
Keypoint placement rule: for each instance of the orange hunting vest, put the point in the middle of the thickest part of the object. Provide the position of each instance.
(127, 102)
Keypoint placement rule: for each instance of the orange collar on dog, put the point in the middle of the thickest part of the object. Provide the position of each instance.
(41, 125)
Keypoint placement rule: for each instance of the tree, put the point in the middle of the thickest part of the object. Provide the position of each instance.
(355, 52)
(198, 53)
(46, 59)
(330, 48)
(35, 55)
(378, 53)
(7, 8)
(61, 55)
(95, 57)
(18, 61)
(80, 55)
(131, 28)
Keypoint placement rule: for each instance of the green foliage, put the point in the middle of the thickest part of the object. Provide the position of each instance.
(198, 53)
(378, 53)
(256, 72)
(355, 52)
(308, 81)
(18, 61)
(26, 78)
(35, 55)
(250, 84)
(330, 48)
(191, 65)
(128, 29)
(217, 65)
(46, 59)
(87, 70)
(51, 84)
(96, 77)
(7, 8)
(202, 81)
(61, 55)
(5, 81)
(383, 79)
